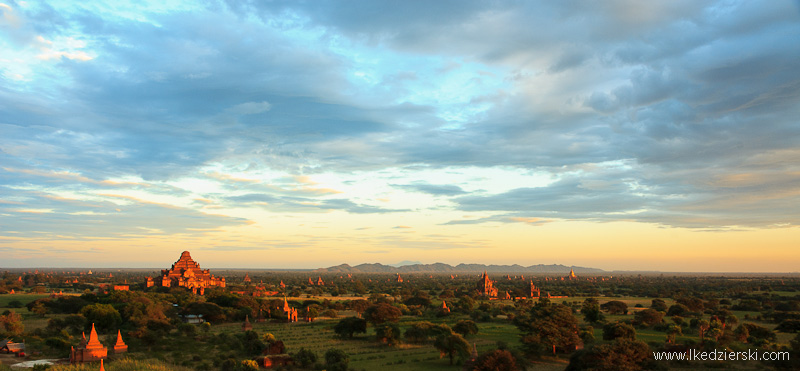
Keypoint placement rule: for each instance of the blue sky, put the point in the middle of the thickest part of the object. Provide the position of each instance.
(321, 132)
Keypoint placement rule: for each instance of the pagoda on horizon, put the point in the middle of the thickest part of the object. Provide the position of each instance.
(186, 273)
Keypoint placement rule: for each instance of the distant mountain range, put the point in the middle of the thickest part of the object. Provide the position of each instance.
(447, 268)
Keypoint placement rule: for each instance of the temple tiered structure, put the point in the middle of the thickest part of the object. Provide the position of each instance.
(291, 313)
(88, 351)
(120, 346)
(246, 325)
(535, 292)
(571, 275)
(445, 309)
(186, 273)
(486, 286)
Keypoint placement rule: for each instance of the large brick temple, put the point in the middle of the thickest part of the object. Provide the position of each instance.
(88, 351)
(187, 273)
(486, 286)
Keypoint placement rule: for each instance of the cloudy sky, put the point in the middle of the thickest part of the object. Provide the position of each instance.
(631, 135)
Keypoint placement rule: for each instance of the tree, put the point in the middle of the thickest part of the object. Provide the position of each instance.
(789, 325)
(672, 332)
(421, 332)
(496, 360)
(252, 344)
(350, 325)
(104, 316)
(12, 323)
(39, 309)
(756, 333)
(702, 326)
(451, 345)
(211, 312)
(591, 310)
(465, 327)
(546, 327)
(618, 330)
(388, 333)
(419, 301)
(648, 317)
(615, 307)
(715, 329)
(621, 355)
(75, 322)
(677, 310)
(659, 305)
(359, 306)
(336, 360)
(465, 304)
(694, 304)
(587, 334)
(18, 304)
(305, 358)
(381, 313)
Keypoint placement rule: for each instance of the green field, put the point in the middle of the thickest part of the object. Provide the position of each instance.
(366, 353)
(23, 298)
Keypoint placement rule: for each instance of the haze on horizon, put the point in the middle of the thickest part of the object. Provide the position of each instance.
(621, 135)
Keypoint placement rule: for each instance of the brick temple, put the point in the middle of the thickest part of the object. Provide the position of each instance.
(88, 351)
(119, 345)
(186, 273)
(486, 286)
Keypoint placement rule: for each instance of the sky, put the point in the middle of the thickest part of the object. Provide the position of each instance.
(621, 135)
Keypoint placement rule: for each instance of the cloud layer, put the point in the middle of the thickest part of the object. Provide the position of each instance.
(678, 113)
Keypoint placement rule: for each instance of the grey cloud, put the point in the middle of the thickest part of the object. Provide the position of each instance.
(433, 189)
(43, 215)
(681, 91)
(301, 204)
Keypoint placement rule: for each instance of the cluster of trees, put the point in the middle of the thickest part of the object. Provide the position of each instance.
(382, 316)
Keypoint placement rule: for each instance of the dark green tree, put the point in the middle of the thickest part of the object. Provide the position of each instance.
(548, 327)
(618, 330)
(659, 305)
(615, 307)
(104, 316)
(648, 317)
(496, 360)
(620, 355)
(451, 345)
(591, 310)
(381, 313)
(349, 326)
(465, 327)
(252, 344)
(305, 358)
(388, 333)
(336, 360)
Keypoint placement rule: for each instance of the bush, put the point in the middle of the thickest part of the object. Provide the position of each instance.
(305, 358)
(248, 365)
(336, 360)
(618, 330)
(15, 304)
